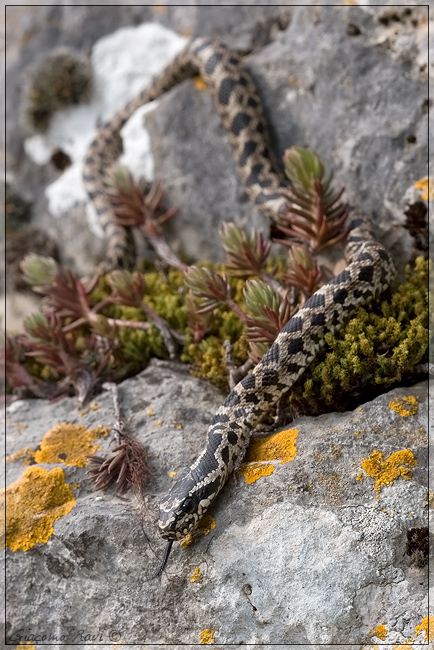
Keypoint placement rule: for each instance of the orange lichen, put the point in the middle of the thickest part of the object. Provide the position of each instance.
(204, 527)
(69, 444)
(278, 447)
(20, 426)
(93, 406)
(206, 524)
(380, 631)
(426, 185)
(33, 503)
(254, 471)
(400, 463)
(207, 636)
(199, 83)
(426, 626)
(186, 541)
(26, 454)
(196, 576)
(405, 406)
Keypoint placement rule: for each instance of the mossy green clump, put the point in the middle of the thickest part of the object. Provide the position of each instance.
(165, 294)
(377, 348)
(61, 79)
(208, 356)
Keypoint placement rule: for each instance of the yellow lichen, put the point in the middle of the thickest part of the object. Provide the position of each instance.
(405, 646)
(380, 631)
(254, 471)
(150, 412)
(206, 524)
(69, 444)
(199, 83)
(25, 453)
(426, 626)
(33, 503)
(207, 636)
(186, 541)
(278, 447)
(426, 185)
(204, 527)
(172, 474)
(400, 463)
(158, 423)
(196, 576)
(29, 645)
(405, 406)
(93, 406)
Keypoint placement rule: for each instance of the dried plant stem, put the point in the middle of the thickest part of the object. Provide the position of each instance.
(170, 337)
(128, 466)
(235, 373)
(237, 310)
(165, 252)
(119, 425)
(118, 322)
(274, 284)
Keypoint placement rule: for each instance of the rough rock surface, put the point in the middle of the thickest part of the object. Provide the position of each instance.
(307, 555)
(310, 554)
(367, 118)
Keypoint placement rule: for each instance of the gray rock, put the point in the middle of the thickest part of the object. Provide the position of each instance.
(347, 81)
(358, 100)
(307, 555)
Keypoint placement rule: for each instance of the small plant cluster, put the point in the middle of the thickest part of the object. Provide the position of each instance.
(72, 343)
(215, 317)
(139, 204)
(61, 78)
(127, 467)
(314, 223)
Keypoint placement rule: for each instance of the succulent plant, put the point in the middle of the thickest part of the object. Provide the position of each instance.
(316, 216)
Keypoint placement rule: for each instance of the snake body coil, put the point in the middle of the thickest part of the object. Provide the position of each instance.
(369, 272)
(237, 101)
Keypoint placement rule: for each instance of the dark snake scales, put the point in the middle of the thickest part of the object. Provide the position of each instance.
(369, 272)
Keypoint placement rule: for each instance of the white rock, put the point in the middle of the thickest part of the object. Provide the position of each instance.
(123, 63)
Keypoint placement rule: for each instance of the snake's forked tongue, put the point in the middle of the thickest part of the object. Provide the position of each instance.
(165, 558)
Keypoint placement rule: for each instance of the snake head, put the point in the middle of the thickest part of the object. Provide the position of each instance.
(180, 510)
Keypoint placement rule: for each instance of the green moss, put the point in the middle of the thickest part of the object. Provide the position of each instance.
(208, 357)
(377, 348)
(61, 79)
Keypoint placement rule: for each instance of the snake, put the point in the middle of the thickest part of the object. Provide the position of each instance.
(369, 272)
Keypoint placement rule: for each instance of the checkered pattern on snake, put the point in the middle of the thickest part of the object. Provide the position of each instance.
(237, 101)
(369, 272)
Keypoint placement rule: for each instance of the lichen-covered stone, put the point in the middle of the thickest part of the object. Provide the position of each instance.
(306, 555)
